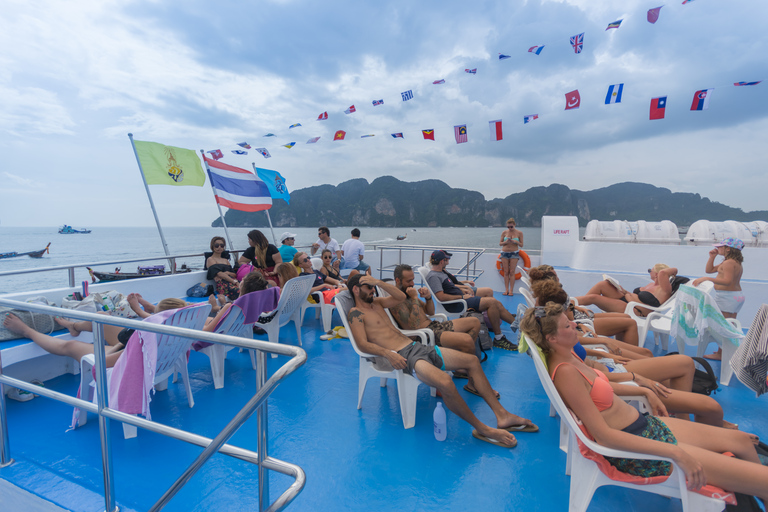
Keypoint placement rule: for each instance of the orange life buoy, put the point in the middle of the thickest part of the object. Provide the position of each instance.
(526, 264)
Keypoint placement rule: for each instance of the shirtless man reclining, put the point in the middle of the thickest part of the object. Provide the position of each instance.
(459, 334)
(375, 334)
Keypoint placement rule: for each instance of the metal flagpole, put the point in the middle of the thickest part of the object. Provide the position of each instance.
(221, 215)
(152, 204)
(269, 219)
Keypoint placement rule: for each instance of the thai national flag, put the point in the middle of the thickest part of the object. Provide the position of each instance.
(701, 99)
(237, 188)
(471, 71)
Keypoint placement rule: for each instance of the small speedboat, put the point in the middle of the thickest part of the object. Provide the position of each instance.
(69, 230)
(402, 237)
(31, 254)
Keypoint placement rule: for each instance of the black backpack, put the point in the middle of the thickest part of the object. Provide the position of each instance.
(704, 380)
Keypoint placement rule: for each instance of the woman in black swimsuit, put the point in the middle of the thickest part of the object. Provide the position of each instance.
(328, 269)
(221, 271)
(609, 298)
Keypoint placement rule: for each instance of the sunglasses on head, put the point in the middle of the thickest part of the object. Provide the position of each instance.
(216, 246)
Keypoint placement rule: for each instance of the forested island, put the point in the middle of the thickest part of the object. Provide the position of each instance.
(389, 202)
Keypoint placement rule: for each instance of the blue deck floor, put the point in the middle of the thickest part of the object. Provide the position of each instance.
(354, 460)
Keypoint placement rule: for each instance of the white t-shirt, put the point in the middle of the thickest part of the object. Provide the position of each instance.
(353, 249)
(332, 246)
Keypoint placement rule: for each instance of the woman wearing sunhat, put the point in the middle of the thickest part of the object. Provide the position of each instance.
(728, 294)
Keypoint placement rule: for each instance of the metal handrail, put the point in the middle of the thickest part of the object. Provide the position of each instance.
(471, 260)
(258, 403)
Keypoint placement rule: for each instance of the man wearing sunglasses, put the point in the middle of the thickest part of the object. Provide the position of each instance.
(374, 334)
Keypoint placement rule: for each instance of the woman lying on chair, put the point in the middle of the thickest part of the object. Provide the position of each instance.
(669, 377)
(620, 325)
(697, 448)
(609, 298)
(115, 337)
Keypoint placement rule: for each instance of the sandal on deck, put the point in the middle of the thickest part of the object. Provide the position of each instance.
(521, 428)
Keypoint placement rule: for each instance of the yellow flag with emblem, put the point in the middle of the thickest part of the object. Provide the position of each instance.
(169, 165)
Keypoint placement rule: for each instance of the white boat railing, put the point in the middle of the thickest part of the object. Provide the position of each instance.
(258, 404)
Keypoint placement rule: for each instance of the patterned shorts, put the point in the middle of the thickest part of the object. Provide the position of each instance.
(230, 290)
(655, 429)
(439, 328)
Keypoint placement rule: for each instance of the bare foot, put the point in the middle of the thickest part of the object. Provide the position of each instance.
(505, 293)
(510, 420)
(498, 435)
(69, 325)
(14, 324)
(717, 356)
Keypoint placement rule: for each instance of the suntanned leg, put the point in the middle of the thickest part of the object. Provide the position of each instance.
(604, 303)
(70, 348)
(484, 292)
(493, 316)
(705, 443)
(705, 409)
(504, 418)
(505, 272)
(489, 304)
(437, 378)
(75, 328)
(677, 369)
(621, 326)
(605, 288)
(512, 268)
(458, 341)
(731, 473)
(469, 325)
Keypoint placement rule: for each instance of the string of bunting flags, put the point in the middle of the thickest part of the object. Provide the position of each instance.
(578, 42)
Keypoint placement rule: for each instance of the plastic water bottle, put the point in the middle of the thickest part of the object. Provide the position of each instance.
(439, 421)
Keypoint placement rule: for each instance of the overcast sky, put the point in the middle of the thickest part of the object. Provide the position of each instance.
(76, 77)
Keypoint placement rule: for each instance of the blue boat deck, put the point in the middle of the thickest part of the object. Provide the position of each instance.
(353, 459)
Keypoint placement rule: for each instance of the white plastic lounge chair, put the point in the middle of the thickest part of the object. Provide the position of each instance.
(372, 366)
(658, 321)
(527, 296)
(171, 358)
(586, 476)
(440, 305)
(292, 297)
(321, 308)
(317, 263)
(233, 325)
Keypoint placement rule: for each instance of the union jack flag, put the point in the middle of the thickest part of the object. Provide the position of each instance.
(577, 42)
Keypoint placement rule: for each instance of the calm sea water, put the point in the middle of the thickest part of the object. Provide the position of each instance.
(114, 244)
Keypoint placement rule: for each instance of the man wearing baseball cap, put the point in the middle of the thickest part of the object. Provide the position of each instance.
(287, 250)
(445, 290)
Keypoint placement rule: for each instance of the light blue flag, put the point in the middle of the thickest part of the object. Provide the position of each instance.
(275, 183)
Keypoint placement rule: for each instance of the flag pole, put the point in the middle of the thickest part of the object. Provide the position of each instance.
(269, 219)
(213, 189)
(171, 263)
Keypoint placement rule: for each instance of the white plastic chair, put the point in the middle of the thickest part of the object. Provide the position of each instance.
(293, 295)
(317, 263)
(321, 308)
(658, 321)
(527, 296)
(233, 325)
(171, 358)
(440, 305)
(586, 476)
(407, 385)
